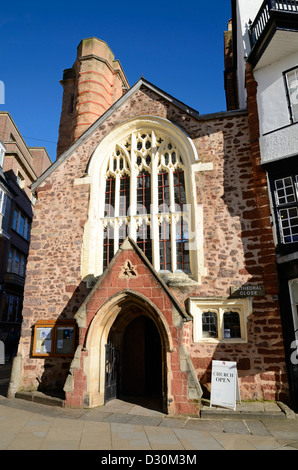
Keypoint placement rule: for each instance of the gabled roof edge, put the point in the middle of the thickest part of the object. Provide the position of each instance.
(118, 103)
(145, 260)
(85, 135)
(185, 316)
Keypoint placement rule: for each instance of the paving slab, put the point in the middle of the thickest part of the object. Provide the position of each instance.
(257, 427)
(197, 440)
(127, 426)
(235, 426)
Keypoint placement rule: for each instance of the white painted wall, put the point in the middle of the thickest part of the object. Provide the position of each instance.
(246, 10)
(278, 138)
(272, 98)
(281, 138)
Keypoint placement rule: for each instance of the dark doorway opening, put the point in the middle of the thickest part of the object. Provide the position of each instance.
(140, 362)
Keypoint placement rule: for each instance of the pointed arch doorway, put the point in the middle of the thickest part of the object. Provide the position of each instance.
(135, 362)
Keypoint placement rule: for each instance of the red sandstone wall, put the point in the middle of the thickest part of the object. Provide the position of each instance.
(235, 249)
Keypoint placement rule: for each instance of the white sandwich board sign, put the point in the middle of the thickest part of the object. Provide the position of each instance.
(224, 384)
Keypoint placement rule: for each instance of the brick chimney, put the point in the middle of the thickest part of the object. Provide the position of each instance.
(90, 87)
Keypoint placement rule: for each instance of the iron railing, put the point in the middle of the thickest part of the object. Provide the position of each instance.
(263, 16)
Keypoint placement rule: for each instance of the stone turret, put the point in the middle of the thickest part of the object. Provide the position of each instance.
(90, 87)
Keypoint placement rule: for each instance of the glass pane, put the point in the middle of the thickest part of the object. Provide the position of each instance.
(123, 233)
(165, 247)
(232, 325)
(110, 198)
(15, 219)
(182, 245)
(292, 78)
(144, 240)
(179, 189)
(108, 246)
(143, 193)
(289, 224)
(163, 192)
(285, 192)
(124, 195)
(209, 325)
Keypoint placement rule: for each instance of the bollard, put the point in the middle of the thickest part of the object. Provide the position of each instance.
(15, 376)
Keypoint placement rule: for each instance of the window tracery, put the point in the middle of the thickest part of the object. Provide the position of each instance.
(144, 198)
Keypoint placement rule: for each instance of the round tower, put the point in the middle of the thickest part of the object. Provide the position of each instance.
(94, 83)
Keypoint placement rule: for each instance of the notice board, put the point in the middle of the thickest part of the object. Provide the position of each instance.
(54, 338)
(224, 384)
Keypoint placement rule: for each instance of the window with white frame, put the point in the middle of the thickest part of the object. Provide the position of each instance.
(3, 201)
(21, 180)
(218, 320)
(16, 262)
(291, 79)
(145, 198)
(2, 154)
(21, 224)
(286, 204)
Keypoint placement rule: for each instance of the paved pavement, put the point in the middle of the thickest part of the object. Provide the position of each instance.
(121, 426)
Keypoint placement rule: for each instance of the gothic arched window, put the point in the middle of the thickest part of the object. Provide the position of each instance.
(144, 197)
(142, 185)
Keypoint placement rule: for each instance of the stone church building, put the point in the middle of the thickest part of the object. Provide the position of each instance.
(151, 250)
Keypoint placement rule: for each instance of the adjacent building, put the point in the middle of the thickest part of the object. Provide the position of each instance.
(262, 72)
(151, 250)
(19, 168)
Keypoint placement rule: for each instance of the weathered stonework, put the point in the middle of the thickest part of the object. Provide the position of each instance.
(237, 248)
(90, 87)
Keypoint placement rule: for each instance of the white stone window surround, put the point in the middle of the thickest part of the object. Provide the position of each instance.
(96, 174)
(198, 306)
(3, 201)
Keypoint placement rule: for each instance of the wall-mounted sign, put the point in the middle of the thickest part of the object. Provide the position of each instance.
(248, 291)
(53, 338)
(224, 384)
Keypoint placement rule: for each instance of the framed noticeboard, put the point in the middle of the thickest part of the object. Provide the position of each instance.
(53, 338)
(64, 339)
(43, 337)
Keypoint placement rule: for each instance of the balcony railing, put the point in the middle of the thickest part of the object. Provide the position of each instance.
(264, 14)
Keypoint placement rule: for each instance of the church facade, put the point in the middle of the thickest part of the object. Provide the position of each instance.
(151, 251)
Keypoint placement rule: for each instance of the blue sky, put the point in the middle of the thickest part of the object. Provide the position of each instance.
(178, 46)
